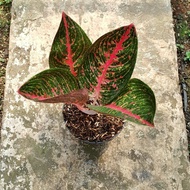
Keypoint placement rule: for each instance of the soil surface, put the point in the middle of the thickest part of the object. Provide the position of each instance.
(95, 128)
(181, 15)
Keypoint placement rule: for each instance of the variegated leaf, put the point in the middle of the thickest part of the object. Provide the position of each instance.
(108, 64)
(69, 45)
(53, 86)
(137, 104)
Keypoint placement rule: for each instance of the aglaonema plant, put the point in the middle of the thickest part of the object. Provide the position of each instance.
(96, 78)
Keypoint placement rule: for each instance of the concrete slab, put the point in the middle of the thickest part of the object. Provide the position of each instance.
(39, 153)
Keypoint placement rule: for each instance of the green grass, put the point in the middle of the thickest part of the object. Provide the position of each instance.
(4, 11)
(183, 28)
(187, 56)
(5, 2)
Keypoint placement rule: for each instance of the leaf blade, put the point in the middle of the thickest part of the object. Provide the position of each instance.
(137, 104)
(69, 45)
(53, 86)
(108, 64)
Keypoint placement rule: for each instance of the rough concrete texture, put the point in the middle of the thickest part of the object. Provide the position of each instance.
(38, 153)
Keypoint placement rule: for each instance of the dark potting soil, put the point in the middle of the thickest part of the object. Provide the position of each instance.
(92, 128)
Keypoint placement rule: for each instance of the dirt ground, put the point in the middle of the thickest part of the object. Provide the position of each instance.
(5, 17)
(181, 15)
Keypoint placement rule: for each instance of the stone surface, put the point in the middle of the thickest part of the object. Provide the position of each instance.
(38, 153)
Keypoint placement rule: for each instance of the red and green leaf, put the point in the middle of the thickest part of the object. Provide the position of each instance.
(53, 86)
(69, 45)
(108, 64)
(136, 104)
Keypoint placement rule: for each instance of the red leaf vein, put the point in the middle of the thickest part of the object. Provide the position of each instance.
(69, 60)
(129, 113)
(119, 46)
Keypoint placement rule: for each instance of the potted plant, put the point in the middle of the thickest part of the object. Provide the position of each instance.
(94, 82)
